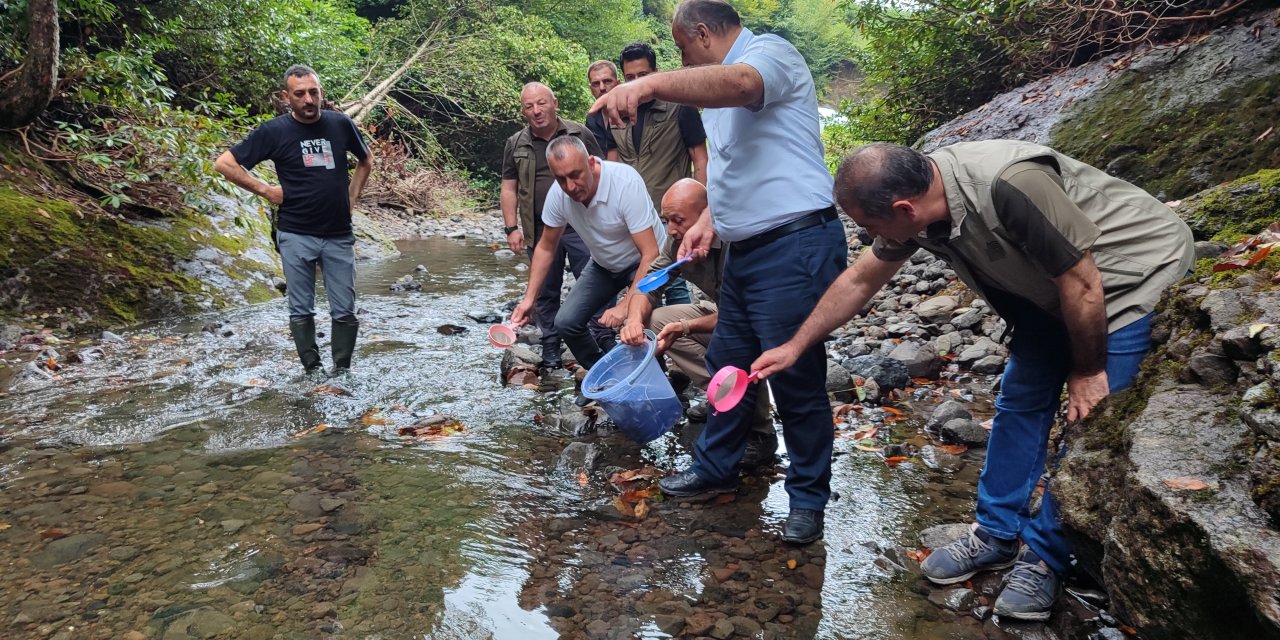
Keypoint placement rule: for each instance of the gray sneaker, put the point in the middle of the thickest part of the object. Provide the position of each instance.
(1030, 590)
(961, 559)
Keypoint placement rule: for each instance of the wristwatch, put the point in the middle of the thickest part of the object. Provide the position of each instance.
(506, 231)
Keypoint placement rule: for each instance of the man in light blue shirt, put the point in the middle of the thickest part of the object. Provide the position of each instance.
(770, 197)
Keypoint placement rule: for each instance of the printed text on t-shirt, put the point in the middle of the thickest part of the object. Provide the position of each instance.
(317, 153)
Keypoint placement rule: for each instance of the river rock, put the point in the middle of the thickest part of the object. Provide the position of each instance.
(1238, 343)
(839, 382)
(578, 457)
(948, 342)
(887, 372)
(937, 309)
(66, 549)
(517, 357)
(921, 358)
(968, 319)
(954, 599)
(980, 349)
(939, 459)
(1212, 370)
(945, 412)
(942, 535)
(964, 431)
(201, 623)
(989, 365)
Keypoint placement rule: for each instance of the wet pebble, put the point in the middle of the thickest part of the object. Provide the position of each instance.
(450, 329)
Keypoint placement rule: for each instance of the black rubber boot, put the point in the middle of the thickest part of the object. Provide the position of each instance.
(343, 343)
(304, 338)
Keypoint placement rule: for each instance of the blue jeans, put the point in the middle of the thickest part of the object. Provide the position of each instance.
(595, 288)
(1039, 363)
(767, 293)
(300, 255)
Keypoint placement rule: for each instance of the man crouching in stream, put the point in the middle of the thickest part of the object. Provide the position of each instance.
(1073, 259)
(309, 148)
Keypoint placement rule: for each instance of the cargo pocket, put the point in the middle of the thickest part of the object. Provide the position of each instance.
(1120, 270)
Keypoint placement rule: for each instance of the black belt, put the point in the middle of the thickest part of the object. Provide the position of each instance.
(760, 239)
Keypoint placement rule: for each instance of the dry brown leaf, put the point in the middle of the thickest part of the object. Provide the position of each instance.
(310, 430)
(623, 508)
(373, 417)
(791, 564)
(894, 461)
(642, 509)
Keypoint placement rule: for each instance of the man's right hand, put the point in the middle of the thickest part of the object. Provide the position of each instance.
(520, 315)
(776, 359)
(515, 241)
(697, 240)
(275, 195)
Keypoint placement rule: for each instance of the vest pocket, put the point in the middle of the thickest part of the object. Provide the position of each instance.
(1121, 269)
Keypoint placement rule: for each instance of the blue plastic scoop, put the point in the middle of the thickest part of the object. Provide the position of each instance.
(660, 277)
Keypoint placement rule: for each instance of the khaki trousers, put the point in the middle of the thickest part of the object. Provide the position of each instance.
(689, 355)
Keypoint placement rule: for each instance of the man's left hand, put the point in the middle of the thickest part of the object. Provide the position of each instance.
(615, 316)
(632, 333)
(1084, 392)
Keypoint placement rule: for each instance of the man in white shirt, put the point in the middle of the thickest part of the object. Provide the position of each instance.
(608, 205)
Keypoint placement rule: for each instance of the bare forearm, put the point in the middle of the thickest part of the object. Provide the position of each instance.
(508, 203)
(363, 169)
(1084, 311)
(703, 324)
(639, 309)
(234, 173)
(711, 86)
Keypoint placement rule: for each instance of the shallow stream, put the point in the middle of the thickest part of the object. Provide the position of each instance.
(175, 485)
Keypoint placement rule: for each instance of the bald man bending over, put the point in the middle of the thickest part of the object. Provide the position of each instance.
(684, 330)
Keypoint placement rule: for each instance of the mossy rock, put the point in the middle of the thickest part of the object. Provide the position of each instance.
(1232, 211)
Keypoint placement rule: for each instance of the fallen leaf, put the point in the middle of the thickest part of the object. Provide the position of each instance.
(892, 411)
(844, 409)
(623, 508)
(4, 525)
(331, 390)
(725, 498)
(868, 448)
(894, 461)
(866, 433)
(791, 564)
(1255, 329)
(955, 449)
(1128, 630)
(919, 554)
(258, 382)
(52, 364)
(310, 430)
(43, 213)
(583, 480)
(642, 509)
(1186, 483)
(373, 417)
(54, 533)
(446, 428)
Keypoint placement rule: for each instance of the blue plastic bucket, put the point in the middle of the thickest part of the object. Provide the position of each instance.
(630, 386)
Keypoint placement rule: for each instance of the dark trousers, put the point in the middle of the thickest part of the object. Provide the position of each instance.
(596, 286)
(572, 252)
(767, 293)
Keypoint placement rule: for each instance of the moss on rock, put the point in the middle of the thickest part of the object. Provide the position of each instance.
(1173, 152)
(1241, 208)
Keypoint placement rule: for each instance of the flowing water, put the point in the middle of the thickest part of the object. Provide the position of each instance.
(179, 484)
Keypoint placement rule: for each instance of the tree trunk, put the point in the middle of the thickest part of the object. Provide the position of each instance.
(361, 109)
(24, 97)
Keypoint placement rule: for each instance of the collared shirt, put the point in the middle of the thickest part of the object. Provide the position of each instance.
(706, 274)
(766, 166)
(620, 208)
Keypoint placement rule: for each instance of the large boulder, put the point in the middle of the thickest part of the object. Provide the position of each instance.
(1174, 120)
(887, 372)
(1171, 489)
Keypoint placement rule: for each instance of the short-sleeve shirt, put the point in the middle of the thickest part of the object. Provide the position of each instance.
(621, 207)
(766, 165)
(311, 163)
(542, 178)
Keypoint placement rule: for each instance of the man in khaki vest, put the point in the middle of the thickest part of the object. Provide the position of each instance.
(1073, 259)
(526, 179)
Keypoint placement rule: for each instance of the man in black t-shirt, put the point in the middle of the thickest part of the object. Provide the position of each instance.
(309, 148)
